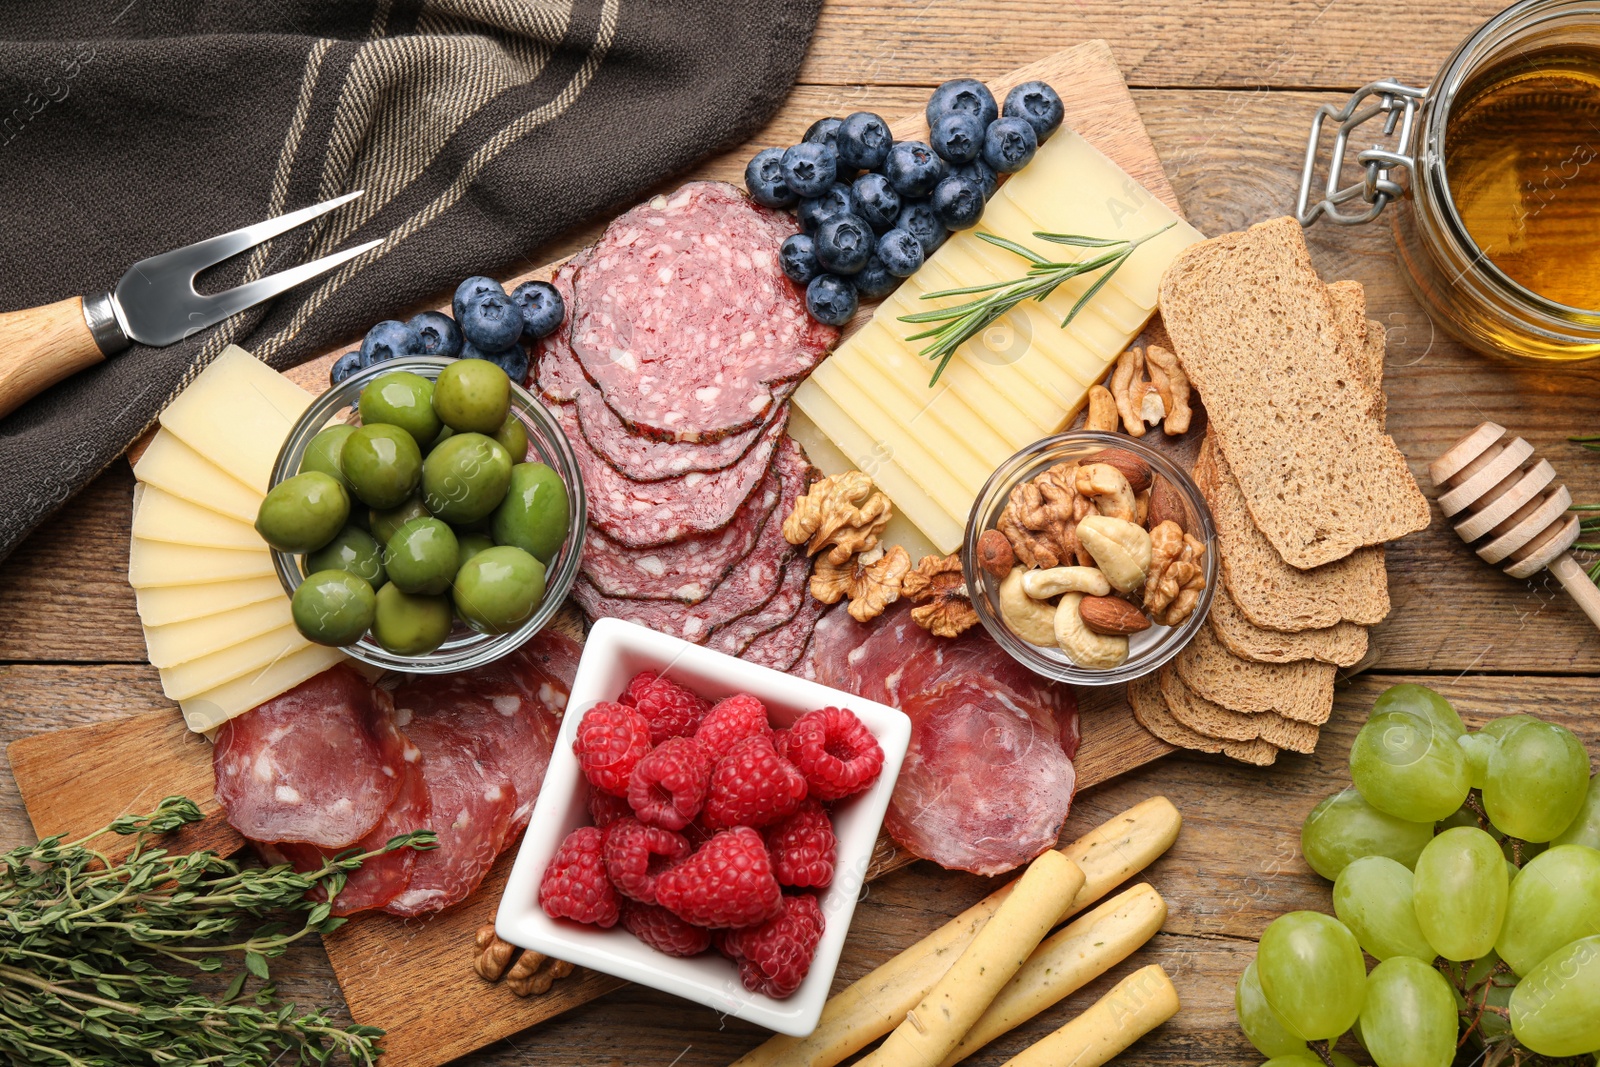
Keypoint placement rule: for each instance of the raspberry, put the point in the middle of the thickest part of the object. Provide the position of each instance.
(636, 685)
(636, 854)
(731, 721)
(673, 711)
(611, 739)
(752, 786)
(669, 785)
(803, 847)
(835, 751)
(605, 809)
(664, 931)
(728, 882)
(775, 956)
(575, 885)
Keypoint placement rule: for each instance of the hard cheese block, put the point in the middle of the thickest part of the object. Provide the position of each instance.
(163, 563)
(237, 412)
(160, 516)
(1024, 377)
(174, 467)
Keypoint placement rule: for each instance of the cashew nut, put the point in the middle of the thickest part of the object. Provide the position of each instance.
(1120, 548)
(1030, 619)
(1042, 585)
(1108, 489)
(1082, 645)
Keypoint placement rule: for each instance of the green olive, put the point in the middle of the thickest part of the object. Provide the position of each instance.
(465, 478)
(472, 543)
(513, 436)
(333, 607)
(410, 625)
(352, 549)
(422, 557)
(402, 399)
(535, 513)
(383, 524)
(472, 395)
(382, 463)
(323, 451)
(301, 514)
(499, 589)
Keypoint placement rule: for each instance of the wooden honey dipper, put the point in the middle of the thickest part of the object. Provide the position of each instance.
(1512, 510)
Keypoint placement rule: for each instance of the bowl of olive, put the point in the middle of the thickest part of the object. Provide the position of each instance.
(426, 515)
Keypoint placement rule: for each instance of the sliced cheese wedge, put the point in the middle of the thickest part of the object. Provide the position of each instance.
(162, 563)
(205, 711)
(160, 516)
(163, 605)
(171, 465)
(237, 412)
(236, 661)
(180, 642)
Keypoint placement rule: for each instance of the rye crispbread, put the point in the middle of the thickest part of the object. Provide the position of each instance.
(1256, 332)
(1213, 720)
(1301, 691)
(1150, 711)
(1270, 593)
(1342, 644)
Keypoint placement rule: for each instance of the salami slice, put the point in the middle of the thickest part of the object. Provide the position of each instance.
(736, 636)
(645, 459)
(556, 373)
(782, 647)
(319, 764)
(684, 320)
(688, 569)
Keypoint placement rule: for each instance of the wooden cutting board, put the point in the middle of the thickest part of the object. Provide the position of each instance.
(414, 978)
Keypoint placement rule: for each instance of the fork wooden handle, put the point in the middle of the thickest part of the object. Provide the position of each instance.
(39, 347)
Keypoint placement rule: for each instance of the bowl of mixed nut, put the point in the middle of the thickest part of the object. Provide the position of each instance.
(1087, 557)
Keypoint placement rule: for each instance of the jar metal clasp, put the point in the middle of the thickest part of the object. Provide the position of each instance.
(1382, 166)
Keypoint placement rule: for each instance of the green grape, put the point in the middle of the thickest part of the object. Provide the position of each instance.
(1311, 971)
(1422, 702)
(1477, 748)
(1585, 828)
(1555, 1009)
(1408, 767)
(1409, 1018)
(1538, 779)
(1498, 728)
(1261, 1024)
(1345, 827)
(1554, 900)
(1372, 896)
(1460, 891)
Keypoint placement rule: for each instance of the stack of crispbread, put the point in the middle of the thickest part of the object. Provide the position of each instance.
(1304, 487)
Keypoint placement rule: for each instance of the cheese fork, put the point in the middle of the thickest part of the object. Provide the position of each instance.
(154, 303)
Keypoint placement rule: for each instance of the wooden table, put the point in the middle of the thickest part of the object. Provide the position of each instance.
(1226, 89)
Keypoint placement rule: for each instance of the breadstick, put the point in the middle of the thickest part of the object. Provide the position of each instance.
(874, 1004)
(934, 1027)
(1135, 1006)
(1066, 961)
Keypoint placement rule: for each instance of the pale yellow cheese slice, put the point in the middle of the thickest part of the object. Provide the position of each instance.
(195, 676)
(237, 413)
(162, 563)
(164, 605)
(180, 642)
(205, 711)
(171, 465)
(160, 516)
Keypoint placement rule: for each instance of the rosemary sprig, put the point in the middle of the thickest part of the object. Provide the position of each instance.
(960, 322)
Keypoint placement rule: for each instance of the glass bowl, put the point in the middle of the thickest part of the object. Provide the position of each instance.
(1148, 649)
(465, 647)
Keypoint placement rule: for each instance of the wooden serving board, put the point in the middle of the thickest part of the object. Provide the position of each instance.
(414, 977)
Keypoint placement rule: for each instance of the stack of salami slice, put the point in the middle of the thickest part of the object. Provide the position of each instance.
(337, 763)
(671, 378)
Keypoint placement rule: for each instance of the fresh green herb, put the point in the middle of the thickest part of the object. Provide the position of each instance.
(959, 323)
(89, 947)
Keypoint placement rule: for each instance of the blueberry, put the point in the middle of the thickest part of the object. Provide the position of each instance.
(513, 360)
(963, 94)
(982, 173)
(439, 332)
(1036, 104)
(913, 168)
(901, 252)
(491, 322)
(824, 131)
(844, 243)
(477, 285)
(831, 299)
(874, 282)
(387, 340)
(344, 366)
(541, 306)
(838, 200)
(809, 168)
(864, 141)
(958, 137)
(876, 201)
(957, 202)
(798, 258)
(1008, 144)
(919, 220)
(763, 176)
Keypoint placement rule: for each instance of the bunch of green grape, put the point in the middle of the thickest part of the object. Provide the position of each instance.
(1468, 866)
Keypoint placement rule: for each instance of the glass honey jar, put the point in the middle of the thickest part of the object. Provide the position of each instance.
(1494, 174)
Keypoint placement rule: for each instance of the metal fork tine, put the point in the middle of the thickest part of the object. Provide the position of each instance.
(235, 300)
(186, 262)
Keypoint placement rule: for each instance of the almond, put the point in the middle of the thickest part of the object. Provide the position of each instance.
(995, 554)
(1112, 616)
(1166, 505)
(1136, 470)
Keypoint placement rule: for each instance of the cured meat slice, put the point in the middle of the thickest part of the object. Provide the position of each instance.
(688, 569)
(556, 373)
(319, 764)
(647, 514)
(684, 320)
(473, 806)
(782, 647)
(644, 459)
(736, 636)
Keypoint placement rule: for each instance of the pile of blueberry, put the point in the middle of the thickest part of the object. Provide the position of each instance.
(872, 208)
(488, 324)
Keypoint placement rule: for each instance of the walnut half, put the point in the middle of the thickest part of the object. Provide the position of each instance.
(842, 513)
(871, 580)
(937, 587)
(1176, 577)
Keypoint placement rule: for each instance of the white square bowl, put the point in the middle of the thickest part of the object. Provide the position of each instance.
(613, 653)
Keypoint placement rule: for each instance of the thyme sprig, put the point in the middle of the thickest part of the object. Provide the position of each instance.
(90, 947)
(960, 322)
